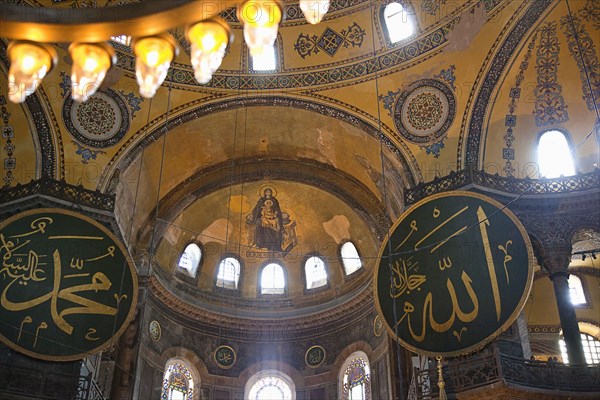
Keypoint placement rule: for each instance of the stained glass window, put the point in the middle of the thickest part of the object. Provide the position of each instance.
(272, 279)
(397, 21)
(190, 259)
(315, 272)
(177, 383)
(229, 273)
(350, 258)
(357, 380)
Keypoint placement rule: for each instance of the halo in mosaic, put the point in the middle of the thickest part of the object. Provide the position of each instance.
(102, 121)
(424, 111)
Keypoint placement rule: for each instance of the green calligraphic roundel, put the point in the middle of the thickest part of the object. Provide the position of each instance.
(68, 287)
(454, 273)
(225, 357)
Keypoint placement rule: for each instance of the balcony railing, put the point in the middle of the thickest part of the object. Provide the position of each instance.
(59, 190)
(469, 176)
(484, 370)
(47, 385)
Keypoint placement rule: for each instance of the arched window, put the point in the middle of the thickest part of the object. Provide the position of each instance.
(576, 290)
(272, 279)
(178, 383)
(190, 259)
(270, 385)
(355, 378)
(350, 258)
(398, 22)
(554, 155)
(265, 61)
(591, 349)
(228, 275)
(315, 272)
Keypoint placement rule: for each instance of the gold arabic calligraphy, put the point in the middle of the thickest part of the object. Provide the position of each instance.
(404, 279)
(22, 268)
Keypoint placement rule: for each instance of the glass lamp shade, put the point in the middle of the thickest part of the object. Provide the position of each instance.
(153, 56)
(314, 10)
(261, 21)
(208, 41)
(29, 63)
(91, 61)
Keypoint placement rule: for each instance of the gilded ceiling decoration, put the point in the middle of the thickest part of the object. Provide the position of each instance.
(100, 122)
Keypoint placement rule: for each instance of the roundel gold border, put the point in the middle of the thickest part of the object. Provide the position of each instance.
(378, 325)
(308, 351)
(530, 257)
(134, 280)
(217, 361)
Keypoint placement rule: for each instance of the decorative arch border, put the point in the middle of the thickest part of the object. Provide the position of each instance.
(409, 163)
(490, 81)
(45, 146)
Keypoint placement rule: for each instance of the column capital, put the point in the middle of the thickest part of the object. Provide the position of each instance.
(555, 260)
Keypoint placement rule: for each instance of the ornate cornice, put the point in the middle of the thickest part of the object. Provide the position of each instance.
(288, 329)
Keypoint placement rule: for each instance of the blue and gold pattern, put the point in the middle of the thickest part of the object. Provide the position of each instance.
(581, 47)
(498, 65)
(424, 111)
(330, 41)
(331, 75)
(550, 107)
(432, 6)
(86, 153)
(8, 134)
(508, 152)
(100, 122)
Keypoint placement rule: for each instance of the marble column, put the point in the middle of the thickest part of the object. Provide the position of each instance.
(556, 261)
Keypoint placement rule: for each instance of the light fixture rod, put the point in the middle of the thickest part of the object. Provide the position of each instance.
(46, 24)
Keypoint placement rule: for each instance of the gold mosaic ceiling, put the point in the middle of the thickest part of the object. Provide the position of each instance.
(345, 123)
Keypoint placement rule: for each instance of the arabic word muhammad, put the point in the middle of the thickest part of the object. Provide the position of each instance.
(225, 356)
(456, 272)
(67, 286)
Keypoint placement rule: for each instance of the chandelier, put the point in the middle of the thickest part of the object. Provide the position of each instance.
(32, 29)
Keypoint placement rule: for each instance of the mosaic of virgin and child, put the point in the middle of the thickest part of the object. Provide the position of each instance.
(273, 229)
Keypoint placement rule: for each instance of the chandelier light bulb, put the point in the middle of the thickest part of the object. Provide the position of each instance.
(91, 62)
(29, 63)
(153, 56)
(261, 21)
(314, 10)
(208, 41)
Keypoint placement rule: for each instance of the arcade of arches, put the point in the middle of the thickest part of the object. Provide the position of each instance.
(254, 207)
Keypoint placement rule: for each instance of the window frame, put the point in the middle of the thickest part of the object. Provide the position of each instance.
(358, 272)
(181, 272)
(586, 303)
(567, 137)
(278, 49)
(317, 289)
(285, 280)
(406, 7)
(216, 286)
(267, 373)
